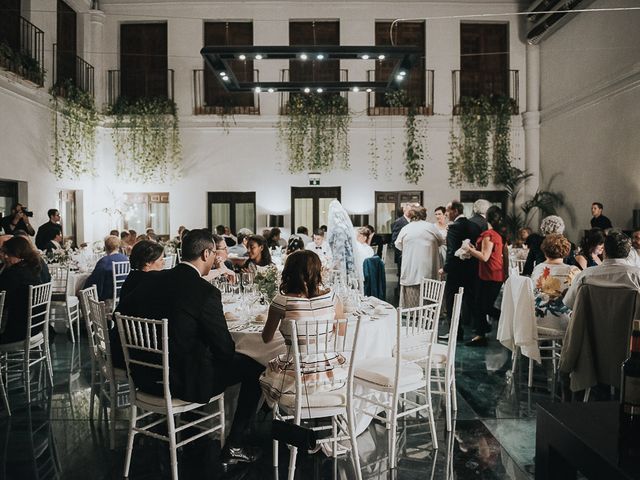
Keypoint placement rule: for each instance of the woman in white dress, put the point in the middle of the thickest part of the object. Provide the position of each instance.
(419, 242)
(363, 250)
(442, 224)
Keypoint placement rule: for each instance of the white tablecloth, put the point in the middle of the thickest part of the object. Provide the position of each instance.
(76, 283)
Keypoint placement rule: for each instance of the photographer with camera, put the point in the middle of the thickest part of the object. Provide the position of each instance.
(18, 220)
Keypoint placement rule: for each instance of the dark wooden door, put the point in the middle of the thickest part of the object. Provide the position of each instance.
(143, 60)
(389, 207)
(66, 47)
(310, 206)
(484, 59)
(10, 23)
(235, 210)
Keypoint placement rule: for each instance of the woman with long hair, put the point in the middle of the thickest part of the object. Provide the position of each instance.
(490, 254)
(22, 269)
(302, 297)
(591, 248)
(259, 255)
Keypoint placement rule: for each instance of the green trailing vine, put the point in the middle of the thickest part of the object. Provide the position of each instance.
(74, 119)
(414, 152)
(21, 63)
(314, 133)
(146, 138)
(481, 151)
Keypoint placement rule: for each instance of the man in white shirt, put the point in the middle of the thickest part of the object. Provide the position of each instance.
(634, 253)
(320, 247)
(614, 271)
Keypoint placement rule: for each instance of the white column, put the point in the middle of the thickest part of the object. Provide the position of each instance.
(93, 54)
(531, 120)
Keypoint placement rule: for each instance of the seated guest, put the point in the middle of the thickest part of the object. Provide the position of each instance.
(274, 240)
(303, 232)
(240, 248)
(221, 265)
(221, 231)
(202, 357)
(320, 247)
(295, 243)
(178, 238)
(133, 237)
(102, 275)
(259, 255)
(22, 269)
(615, 271)
(551, 280)
(591, 248)
(634, 253)
(143, 237)
(55, 243)
(151, 234)
(146, 256)
(521, 237)
(302, 297)
(114, 233)
(125, 242)
(48, 231)
(550, 224)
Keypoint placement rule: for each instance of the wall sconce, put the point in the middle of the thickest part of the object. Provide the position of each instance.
(274, 221)
(359, 220)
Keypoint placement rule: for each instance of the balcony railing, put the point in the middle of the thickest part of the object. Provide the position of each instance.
(284, 96)
(380, 110)
(69, 67)
(133, 85)
(225, 106)
(477, 84)
(27, 58)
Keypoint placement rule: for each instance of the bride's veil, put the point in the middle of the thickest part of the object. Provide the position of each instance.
(341, 238)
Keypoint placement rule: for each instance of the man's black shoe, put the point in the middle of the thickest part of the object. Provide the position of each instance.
(233, 455)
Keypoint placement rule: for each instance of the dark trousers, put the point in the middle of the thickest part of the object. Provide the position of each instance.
(451, 287)
(485, 297)
(246, 371)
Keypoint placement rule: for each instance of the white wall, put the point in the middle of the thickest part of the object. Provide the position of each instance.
(591, 113)
(247, 158)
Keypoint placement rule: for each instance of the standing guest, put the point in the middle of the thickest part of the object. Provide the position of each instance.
(460, 272)
(146, 256)
(591, 248)
(220, 230)
(102, 275)
(47, 231)
(18, 219)
(442, 224)
(488, 250)
(398, 225)
(133, 237)
(303, 232)
(178, 238)
(143, 237)
(240, 248)
(22, 269)
(125, 243)
(259, 255)
(202, 357)
(419, 241)
(551, 280)
(151, 234)
(362, 250)
(376, 241)
(615, 271)
(599, 220)
(634, 253)
(274, 240)
(302, 297)
(549, 224)
(480, 208)
(114, 233)
(320, 247)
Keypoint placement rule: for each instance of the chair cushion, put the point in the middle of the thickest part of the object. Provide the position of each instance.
(333, 398)
(19, 346)
(158, 402)
(381, 371)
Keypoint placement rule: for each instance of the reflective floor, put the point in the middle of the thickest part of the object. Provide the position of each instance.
(494, 433)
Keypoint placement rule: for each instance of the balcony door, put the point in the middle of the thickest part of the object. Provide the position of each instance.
(66, 45)
(310, 206)
(389, 207)
(235, 210)
(143, 60)
(10, 23)
(484, 59)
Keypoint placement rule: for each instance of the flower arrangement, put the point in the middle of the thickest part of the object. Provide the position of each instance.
(61, 256)
(266, 280)
(170, 246)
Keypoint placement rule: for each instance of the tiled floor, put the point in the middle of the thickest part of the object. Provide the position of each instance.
(494, 433)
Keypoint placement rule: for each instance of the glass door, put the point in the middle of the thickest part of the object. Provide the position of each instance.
(67, 209)
(389, 207)
(235, 210)
(310, 206)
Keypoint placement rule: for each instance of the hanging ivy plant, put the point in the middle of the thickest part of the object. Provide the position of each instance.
(74, 119)
(483, 146)
(314, 133)
(414, 153)
(146, 138)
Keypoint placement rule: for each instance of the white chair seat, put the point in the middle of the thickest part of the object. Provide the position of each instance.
(334, 398)
(157, 404)
(381, 372)
(19, 346)
(438, 354)
(545, 333)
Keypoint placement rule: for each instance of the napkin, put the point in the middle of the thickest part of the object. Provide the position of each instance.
(463, 252)
(231, 317)
(260, 318)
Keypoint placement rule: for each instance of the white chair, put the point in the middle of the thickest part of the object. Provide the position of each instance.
(444, 358)
(120, 273)
(169, 262)
(385, 247)
(34, 349)
(178, 255)
(432, 292)
(85, 295)
(61, 299)
(410, 371)
(323, 396)
(150, 338)
(3, 366)
(113, 385)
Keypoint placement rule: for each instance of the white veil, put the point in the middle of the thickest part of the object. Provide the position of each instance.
(341, 238)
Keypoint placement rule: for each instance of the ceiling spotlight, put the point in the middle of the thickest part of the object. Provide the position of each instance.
(223, 74)
(242, 57)
(356, 89)
(319, 90)
(225, 78)
(369, 90)
(399, 78)
(257, 89)
(320, 56)
(271, 90)
(402, 73)
(303, 56)
(381, 57)
(307, 90)
(258, 57)
(365, 57)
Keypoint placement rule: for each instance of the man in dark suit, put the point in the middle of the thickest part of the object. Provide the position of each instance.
(48, 231)
(201, 351)
(396, 226)
(460, 273)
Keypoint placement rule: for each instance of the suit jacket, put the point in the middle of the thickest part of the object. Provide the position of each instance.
(200, 345)
(461, 271)
(47, 231)
(395, 231)
(480, 221)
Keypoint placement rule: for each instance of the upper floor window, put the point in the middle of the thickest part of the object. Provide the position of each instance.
(314, 32)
